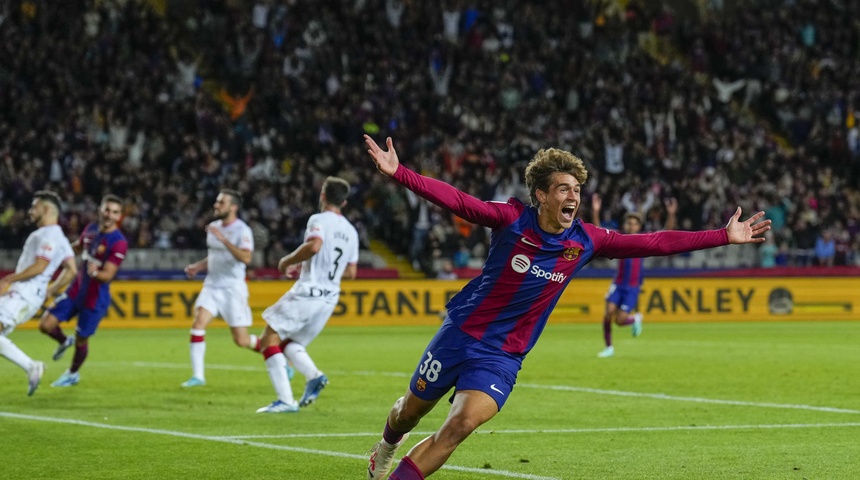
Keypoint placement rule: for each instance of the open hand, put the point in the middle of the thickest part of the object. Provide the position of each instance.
(386, 162)
(747, 231)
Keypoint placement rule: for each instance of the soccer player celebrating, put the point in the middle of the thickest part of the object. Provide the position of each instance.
(495, 320)
(230, 245)
(623, 295)
(45, 250)
(328, 254)
(102, 247)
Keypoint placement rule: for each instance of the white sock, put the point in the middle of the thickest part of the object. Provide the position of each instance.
(14, 354)
(300, 359)
(254, 342)
(198, 354)
(276, 365)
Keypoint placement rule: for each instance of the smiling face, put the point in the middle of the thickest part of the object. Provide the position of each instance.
(559, 204)
(109, 215)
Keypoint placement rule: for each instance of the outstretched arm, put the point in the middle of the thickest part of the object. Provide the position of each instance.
(670, 242)
(488, 214)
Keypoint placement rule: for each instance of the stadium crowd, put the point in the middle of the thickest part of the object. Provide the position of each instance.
(756, 107)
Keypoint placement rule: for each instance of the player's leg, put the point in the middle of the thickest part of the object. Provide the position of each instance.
(276, 364)
(295, 349)
(470, 410)
(88, 323)
(236, 312)
(63, 310)
(407, 411)
(205, 309)
(608, 319)
(627, 311)
(14, 311)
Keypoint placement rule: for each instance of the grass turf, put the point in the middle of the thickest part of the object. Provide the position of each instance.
(684, 401)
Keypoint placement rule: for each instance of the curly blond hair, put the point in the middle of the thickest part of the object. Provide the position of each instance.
(548, 161)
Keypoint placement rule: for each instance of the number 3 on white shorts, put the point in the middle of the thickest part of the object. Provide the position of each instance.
(430, 368)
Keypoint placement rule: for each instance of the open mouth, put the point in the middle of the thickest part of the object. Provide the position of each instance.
(568, 211)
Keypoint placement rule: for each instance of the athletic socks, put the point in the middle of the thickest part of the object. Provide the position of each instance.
(300, 359)
(276, 366)
(406, 470)
(14, 354)
(254, 342)
(58, 335)
(198, 353)
(81, 352)
(390, 435)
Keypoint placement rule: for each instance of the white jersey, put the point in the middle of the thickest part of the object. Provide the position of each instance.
(223, 270)
(321, 274)
(46, 242)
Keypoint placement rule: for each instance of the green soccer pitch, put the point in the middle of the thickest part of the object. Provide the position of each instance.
(683, 401)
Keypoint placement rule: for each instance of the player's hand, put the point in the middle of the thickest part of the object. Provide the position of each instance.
(747, 231)
(92, 269)
(293, 270)
(4, 284)
(191, 270)
(386, 162)
(671, 205)
(596, 202)
(215, 231)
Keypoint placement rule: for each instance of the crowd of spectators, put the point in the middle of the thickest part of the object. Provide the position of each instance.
(270, 97)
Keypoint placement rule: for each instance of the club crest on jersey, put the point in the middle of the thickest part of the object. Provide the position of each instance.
(571, 253)
(421, 385)
(100, 249)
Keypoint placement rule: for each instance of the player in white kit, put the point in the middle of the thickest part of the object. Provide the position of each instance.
(329, 253)
(45, 250)
(230, 244)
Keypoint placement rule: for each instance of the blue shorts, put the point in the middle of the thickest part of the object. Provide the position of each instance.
(455, 359)
(88, 318)
(625, 297)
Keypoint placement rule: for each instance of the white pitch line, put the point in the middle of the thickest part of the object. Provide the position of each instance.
(237, 441)
(571, 430)
(658, 396)
(663, 396)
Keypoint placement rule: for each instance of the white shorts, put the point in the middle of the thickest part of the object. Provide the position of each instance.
(15, 310)
(230, 303)
(299, 318)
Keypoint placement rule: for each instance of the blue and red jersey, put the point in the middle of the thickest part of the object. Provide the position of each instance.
(101, 248)
(630, 273)
(527, 269)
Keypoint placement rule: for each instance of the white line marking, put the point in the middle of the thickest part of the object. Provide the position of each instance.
(658, 396)
(236, 441)
(663, 396)
(573, 430)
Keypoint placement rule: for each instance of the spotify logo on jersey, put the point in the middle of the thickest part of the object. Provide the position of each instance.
(520, 263)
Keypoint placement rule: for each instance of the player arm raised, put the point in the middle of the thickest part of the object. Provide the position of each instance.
(596, 203)
(488, 214)
(34, 269)
(303, 252)
(70, 269)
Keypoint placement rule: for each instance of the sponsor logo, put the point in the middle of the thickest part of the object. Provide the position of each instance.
(521, 263)
(557, 277)
(493, 388)
(421, 385)
(529, 242)
(571, 253)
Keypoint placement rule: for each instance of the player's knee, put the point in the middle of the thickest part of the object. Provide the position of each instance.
(403, 415)
(458, 428)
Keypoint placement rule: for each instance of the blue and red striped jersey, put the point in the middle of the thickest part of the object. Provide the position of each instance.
(630, 273)
(527, 269)
(98, 247)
